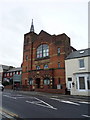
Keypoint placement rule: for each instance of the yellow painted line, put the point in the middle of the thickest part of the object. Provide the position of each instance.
(8, 112)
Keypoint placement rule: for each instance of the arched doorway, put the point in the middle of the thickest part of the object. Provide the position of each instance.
(38, 82)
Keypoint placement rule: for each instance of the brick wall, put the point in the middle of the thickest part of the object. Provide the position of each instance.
(31, 43)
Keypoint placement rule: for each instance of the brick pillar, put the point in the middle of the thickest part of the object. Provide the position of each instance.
(33, 85)
(51, 82)
(41, 83)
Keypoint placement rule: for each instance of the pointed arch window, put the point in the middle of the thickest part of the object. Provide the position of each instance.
(43, 51)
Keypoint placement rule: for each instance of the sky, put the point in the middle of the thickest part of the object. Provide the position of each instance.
(52, 16)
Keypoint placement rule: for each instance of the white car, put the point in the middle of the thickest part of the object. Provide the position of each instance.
(1, 87)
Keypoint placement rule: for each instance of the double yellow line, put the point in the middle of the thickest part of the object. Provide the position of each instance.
(4, 111)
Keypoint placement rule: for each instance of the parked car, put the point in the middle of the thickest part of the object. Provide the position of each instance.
(1, 87)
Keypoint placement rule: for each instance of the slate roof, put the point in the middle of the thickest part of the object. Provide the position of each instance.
(15, 69)
(79, 53)
(5, 67)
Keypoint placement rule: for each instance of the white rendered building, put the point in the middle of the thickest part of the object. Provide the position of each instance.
(77, 66)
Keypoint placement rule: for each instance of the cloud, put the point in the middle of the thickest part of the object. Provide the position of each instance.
(53, 16)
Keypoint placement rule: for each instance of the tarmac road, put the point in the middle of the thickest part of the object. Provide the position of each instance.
(40, 105)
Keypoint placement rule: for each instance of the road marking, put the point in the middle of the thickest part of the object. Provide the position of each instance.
(7, 113)
(86, 116)
(41, 103)
(54, 96)
(45, 103)
(84, 102)
(33, 102)
(55, 99)
(10, 97)
(8, 93)
(19, 95)
(69, 102)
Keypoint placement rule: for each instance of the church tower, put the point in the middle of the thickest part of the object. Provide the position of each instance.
(28, 54)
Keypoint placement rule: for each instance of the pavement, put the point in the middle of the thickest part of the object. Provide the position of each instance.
(33, 93)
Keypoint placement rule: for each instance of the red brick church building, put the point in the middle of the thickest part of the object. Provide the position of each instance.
(43, 67)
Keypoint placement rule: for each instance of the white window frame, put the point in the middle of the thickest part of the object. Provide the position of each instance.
(80, 83)
(80, 63)
(69, 83)
(88, 79)
(85, 78)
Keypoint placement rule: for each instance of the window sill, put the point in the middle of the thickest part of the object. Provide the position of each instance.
(81, 68)
(81, 90)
